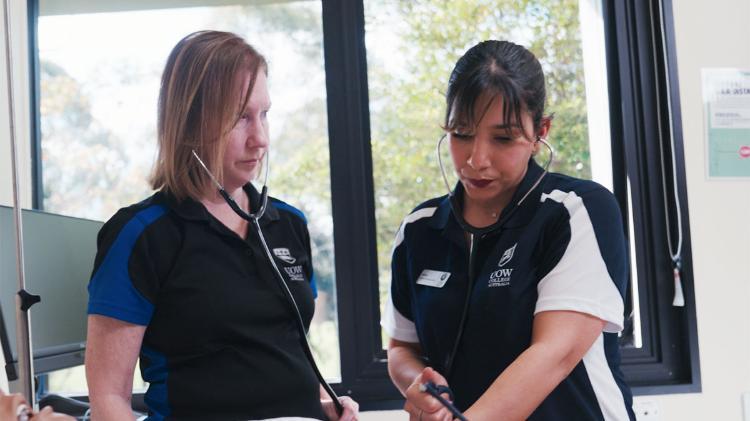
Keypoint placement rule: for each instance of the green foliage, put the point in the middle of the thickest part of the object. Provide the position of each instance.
(409, 101)
(412, 46)
(97, 179)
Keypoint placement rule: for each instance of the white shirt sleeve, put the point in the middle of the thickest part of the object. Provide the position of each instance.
(396, 325)
(580, 280)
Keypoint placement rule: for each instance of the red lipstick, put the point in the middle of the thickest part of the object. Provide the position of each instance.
(478, 183)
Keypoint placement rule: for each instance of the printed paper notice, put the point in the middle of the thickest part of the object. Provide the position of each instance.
(726, 99)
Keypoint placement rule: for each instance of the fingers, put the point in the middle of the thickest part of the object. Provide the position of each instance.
(329, 409)
(412, 410)
(10, 406)
(430, 375)
(417, 414)
(351, 409)
(350, 406)
(422, 406)
(422, 400)
(44, 414)
(47, 414)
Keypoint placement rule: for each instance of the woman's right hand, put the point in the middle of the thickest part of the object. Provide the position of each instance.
(420, 405)
(47, 414)
(12, 407)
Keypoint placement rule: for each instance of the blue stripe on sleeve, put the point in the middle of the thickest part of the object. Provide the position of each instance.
(155, 372)
(314, 286)
(111, 291)
(290, 208)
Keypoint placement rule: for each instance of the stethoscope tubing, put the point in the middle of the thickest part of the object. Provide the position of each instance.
(476, 234)
(300, 323)
(254, 219)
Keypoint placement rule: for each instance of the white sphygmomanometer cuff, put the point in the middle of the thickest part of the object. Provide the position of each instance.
(396, 325)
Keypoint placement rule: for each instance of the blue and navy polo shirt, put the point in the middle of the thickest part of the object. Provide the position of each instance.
(563, 248)
(221, 340)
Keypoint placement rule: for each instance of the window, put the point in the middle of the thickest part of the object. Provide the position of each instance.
(374, 76)
(648, 157)
(97, 118)
(407, 100)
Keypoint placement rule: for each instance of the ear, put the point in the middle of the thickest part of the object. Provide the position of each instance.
(544, 127)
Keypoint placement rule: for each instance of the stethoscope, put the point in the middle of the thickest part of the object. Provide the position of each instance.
(456, 206)
(475, 233)
(254, 218)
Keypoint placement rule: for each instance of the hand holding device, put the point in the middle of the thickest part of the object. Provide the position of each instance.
(350, 409)
(436, 392)
(421, 405)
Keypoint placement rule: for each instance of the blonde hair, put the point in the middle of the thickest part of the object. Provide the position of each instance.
(199, 102)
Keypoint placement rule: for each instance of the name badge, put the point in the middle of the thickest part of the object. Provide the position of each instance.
(433, 278)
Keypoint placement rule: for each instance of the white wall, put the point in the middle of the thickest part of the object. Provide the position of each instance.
(714, 34)
(709, 34)
(20, 55)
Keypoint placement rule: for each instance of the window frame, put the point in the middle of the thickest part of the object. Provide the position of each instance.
(644, 90)
(641, 73)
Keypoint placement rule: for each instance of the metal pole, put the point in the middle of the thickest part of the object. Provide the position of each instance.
(23, 321)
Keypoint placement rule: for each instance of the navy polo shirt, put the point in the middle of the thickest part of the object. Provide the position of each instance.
(221, 340)
(563, 248)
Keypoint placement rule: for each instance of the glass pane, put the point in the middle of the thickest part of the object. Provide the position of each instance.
(98, 117)
(407, 96)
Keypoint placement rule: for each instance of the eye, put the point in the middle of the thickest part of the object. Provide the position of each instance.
(264, 114)
(502, 139)
(461, 136)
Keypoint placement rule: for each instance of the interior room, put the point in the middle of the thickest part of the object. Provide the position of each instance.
(649, 100)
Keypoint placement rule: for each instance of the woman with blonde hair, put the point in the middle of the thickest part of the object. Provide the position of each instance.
(183, 281)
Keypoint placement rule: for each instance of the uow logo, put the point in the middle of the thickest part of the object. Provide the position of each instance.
(501, 273)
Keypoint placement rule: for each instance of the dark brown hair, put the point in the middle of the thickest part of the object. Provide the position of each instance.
(491, 69)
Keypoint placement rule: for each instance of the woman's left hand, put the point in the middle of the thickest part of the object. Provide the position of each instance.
(351, 409)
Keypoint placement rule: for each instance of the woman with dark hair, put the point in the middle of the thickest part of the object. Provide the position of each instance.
(510, 289)
(184, 281)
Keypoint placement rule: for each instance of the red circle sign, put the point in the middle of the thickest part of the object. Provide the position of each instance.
(745, 151)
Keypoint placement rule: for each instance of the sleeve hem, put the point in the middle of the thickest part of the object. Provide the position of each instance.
(141, 318)
(612, 317)
(404, 335)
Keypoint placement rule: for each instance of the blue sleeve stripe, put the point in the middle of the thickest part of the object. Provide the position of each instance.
(155, 371)
(314, 286)
(111, 291)
(289, 208)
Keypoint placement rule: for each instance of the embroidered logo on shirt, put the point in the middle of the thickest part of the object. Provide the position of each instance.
(295, 273)
(283, 254)
(507, 255)
(500, 278)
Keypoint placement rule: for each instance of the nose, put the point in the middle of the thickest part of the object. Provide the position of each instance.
(480, 155)
(257, 134)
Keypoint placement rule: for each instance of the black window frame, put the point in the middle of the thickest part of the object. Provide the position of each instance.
(642, 75)
(645, 115)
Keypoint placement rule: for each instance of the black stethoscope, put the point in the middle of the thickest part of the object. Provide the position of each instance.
(254, 218)
(475, 234)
